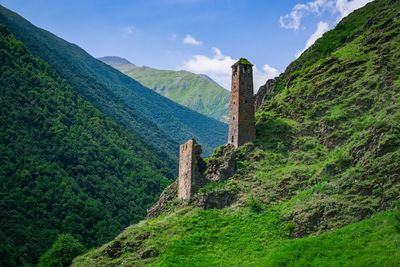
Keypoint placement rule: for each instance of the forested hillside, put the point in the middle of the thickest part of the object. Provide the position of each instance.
(321, 184)
(160, 121)
(188, 89)
(64, 166)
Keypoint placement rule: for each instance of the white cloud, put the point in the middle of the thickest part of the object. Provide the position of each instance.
(261, 76)
(219, 69)
(321, 29)
(341, 7)
(190, 40)
(345, 7)
(293, 19)
(318, 6)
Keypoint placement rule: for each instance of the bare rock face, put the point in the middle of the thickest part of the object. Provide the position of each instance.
(263, 92)
(168, 195)
(149, 253)
(222, 164)
(216, 200)
(115, 250)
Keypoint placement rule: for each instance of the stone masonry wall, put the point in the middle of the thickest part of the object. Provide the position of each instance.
(241, 117)
(191, 168)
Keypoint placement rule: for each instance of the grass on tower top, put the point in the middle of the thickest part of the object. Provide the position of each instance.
(242, 60)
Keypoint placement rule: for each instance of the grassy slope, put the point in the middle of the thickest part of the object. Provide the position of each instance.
(327, 155)
(186, 88)
(223, 238)
(64, 166)
(160, 122)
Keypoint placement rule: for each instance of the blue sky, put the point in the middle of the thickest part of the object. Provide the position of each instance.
(202, 36)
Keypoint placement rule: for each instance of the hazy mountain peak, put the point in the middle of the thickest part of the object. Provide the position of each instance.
(207, 77)
(115, 60)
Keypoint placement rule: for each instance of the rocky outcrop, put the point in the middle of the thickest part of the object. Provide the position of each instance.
(264, 91)
(114, 250)
(222, 164)
(218, 200)
(167, 196)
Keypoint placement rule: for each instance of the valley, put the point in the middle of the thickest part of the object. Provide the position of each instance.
(105, 163)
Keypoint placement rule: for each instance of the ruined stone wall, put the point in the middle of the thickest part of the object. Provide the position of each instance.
(241, 117)
(191, 168)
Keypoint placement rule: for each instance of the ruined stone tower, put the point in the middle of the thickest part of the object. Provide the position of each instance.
(191, 168)
(241, 116)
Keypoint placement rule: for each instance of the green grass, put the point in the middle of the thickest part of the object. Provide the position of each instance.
(244, 61)
(242, 237)
(373, 242)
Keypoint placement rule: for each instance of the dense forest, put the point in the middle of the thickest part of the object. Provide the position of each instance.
(159, 121)
(64, 166)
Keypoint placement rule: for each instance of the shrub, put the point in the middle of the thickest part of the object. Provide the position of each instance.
(64, 249)
(255, 206)
(397, 221)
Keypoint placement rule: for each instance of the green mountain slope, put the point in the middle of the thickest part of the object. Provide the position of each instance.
(64, 166)
(213, 238)
(160, 121)
(327, 155)
(188, 89)
(79, 69)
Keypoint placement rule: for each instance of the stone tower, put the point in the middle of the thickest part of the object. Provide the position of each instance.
(191, 168)
(241, 116)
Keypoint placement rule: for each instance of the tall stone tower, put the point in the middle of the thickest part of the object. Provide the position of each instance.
(241, 116)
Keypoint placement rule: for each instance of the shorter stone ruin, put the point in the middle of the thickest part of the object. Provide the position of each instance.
(192, 175)
(191, 169)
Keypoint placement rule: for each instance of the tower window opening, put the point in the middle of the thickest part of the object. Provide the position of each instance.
(233, 118)
(232, 138)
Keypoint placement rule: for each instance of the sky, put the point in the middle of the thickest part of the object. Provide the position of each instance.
(201, 36)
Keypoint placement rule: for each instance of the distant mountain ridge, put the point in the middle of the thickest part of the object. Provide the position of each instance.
(195, 91)
(115, 60)
(207, 77)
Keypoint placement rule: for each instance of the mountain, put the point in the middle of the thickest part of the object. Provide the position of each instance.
(321, 184)
(64, 166)
(112, 60)
(207, 77)
(197, 92)
(160, 122)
